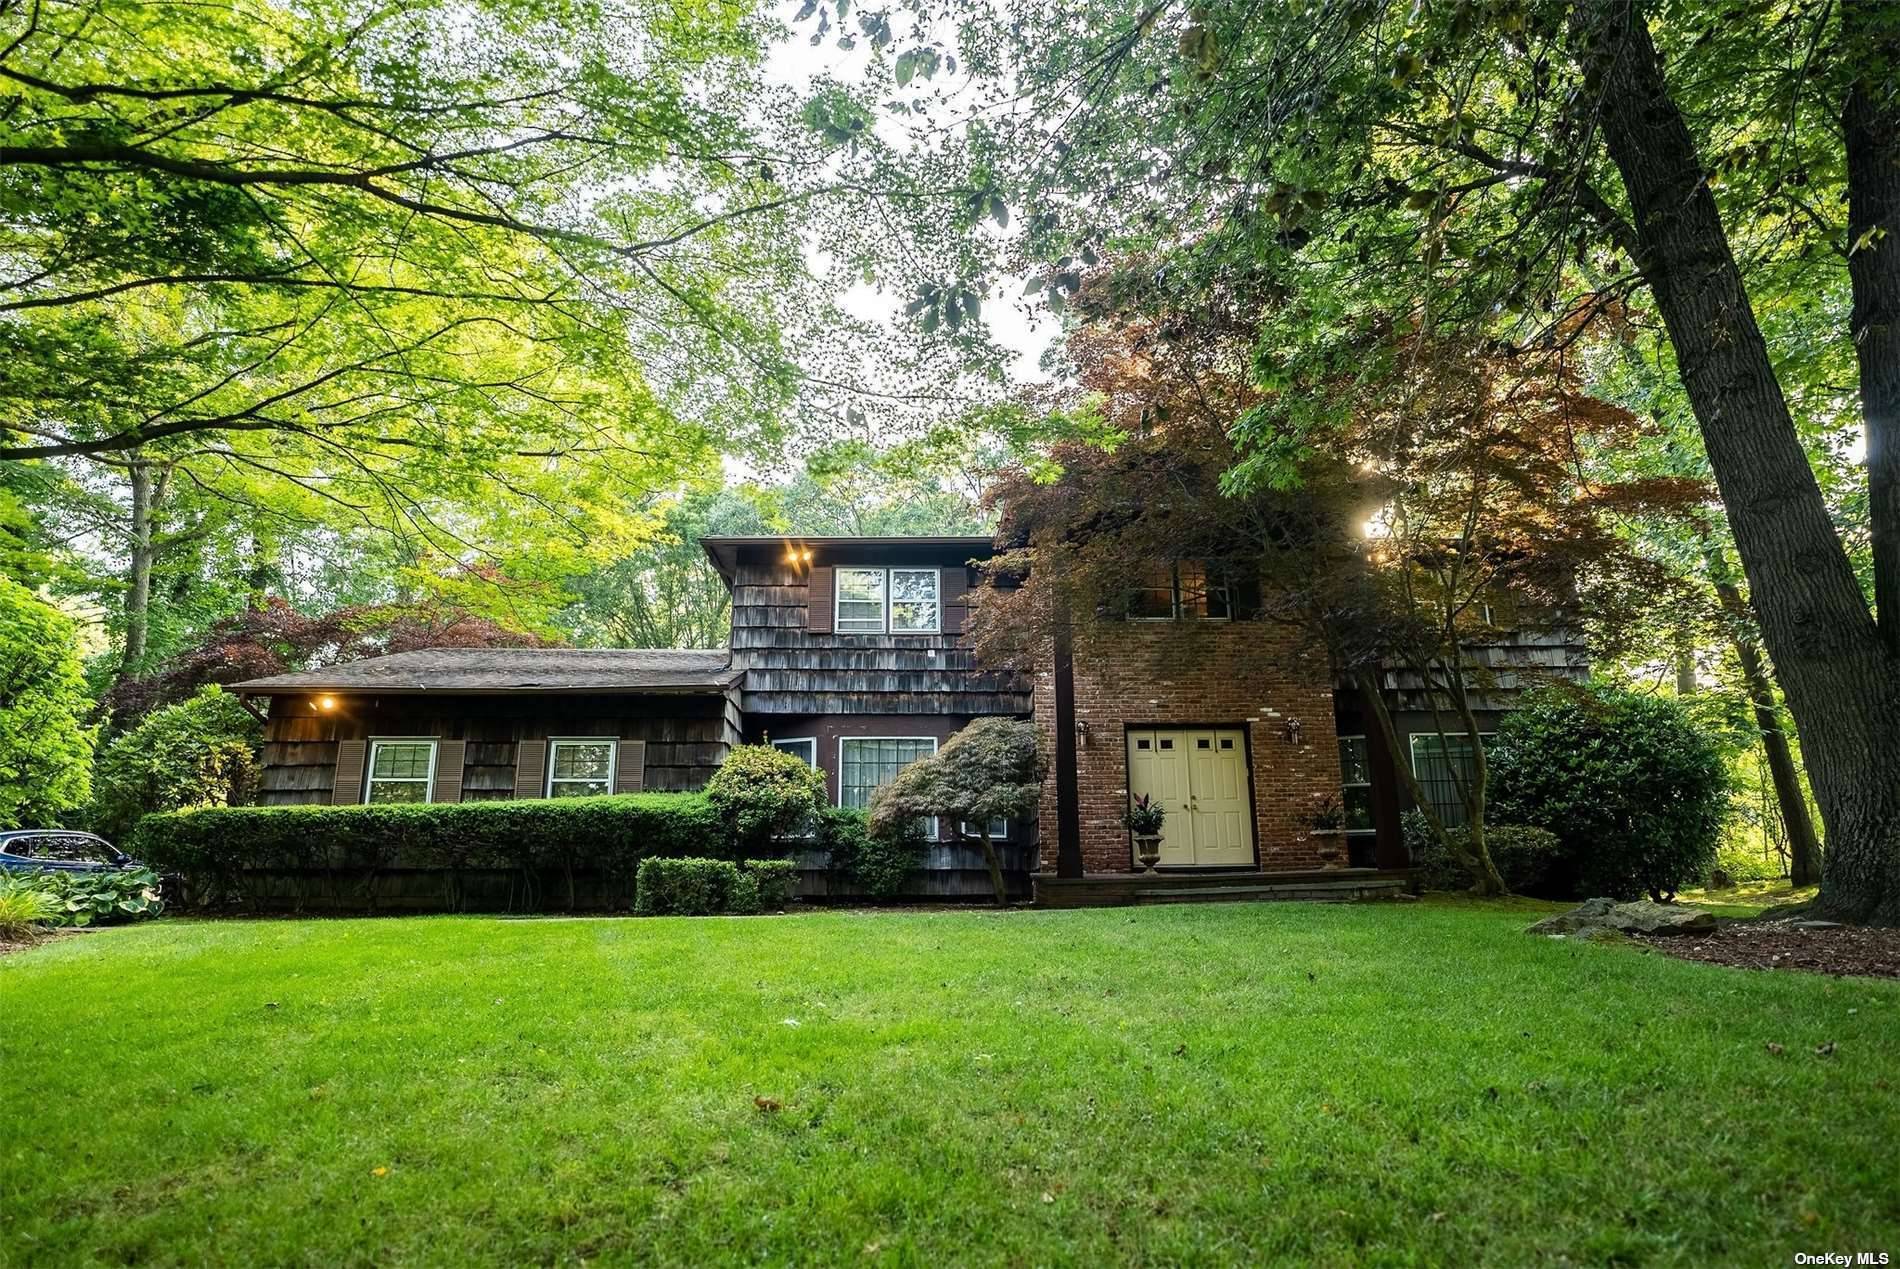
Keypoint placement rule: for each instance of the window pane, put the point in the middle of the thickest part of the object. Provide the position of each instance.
(860, 600)
(914, 599)
(579, 789)
(806, 749)
(408, 761)
(65, 847)
(592, 760)
(869, 763)
(399, 791)
(1355, 762)
(1443, 765)
(1154, 597)
(1357, 800)
(861, 583)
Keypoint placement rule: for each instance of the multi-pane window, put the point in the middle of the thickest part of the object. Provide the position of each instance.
(914, 601)
(1355, 783)
(900, 600)
(864, 764)
(581, 768)
(400, 770)
(860, 601)
(999, 829)
(1183, 589)
(1444, 766)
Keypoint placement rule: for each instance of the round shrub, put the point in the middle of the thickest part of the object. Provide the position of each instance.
(199, 752)
(1636, 794)
(762, 793)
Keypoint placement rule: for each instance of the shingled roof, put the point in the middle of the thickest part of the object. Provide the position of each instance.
(479, 670)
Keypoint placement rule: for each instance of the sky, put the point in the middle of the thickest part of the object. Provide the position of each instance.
(796, 63)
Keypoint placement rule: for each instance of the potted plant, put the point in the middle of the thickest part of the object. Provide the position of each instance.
(1144, 818)
(1329, 825)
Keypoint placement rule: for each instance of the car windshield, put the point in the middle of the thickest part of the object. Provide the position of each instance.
(64, 848)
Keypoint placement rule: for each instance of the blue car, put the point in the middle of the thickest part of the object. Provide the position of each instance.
(59, 850)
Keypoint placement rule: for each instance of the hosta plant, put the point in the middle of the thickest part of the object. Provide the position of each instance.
(101, 898)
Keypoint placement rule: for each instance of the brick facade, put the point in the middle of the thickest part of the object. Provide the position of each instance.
(1240, 674)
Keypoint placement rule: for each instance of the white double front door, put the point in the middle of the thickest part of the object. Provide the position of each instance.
(1199, 776)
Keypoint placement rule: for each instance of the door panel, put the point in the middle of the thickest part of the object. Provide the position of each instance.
(1200, 777)
(1217, 792)
(1157, 766)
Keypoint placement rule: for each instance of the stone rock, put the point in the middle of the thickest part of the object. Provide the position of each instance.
(1589, 913)
(1640, 917)
(1645, 917)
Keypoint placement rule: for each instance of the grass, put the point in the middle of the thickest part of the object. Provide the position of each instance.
(1200, 1084)
(1750, 898)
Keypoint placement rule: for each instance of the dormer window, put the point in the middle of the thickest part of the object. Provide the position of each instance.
(897, 600)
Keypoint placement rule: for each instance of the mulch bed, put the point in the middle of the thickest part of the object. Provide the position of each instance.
(1786, 944)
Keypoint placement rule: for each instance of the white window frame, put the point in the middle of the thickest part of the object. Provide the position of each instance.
(811, 748)
(613, 761)
(1365, 784)
(838, 619)
(890, 600)
(964, 826)
(810, 758)
(369, 765)
(885, 624)
(930, 833)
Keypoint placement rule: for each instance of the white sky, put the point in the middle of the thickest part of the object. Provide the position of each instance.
(796, 63)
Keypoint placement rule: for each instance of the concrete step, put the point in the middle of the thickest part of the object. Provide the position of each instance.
(1336, 892)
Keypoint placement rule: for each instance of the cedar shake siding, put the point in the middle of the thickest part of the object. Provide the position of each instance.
(784, 634)
(491, 713)
(678, 742)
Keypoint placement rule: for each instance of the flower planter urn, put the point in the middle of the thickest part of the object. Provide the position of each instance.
(1148, 850)
(1330, 845)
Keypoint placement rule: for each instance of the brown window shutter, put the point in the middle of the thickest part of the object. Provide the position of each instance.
(956, 599)
(818, 602)
(448, 770)
(531, 768)
(630, 767)
(349, 772)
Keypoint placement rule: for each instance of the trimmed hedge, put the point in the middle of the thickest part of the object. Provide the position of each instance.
(713, 887)
(547, 844)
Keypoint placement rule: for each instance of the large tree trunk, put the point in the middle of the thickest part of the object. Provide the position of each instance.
(138, 578)
(1842, 687)
(1804, 848)
(1871, 125)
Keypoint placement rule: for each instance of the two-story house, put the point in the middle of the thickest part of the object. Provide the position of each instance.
(851, 653)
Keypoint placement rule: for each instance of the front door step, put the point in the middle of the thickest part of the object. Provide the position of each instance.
(1335, 892)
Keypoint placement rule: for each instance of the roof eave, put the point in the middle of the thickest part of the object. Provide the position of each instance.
(361, 689)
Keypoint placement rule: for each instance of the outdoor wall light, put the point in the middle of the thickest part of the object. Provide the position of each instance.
(1295, 733)
(326, 703)
(1082, 733)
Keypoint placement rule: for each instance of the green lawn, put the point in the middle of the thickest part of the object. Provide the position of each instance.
(1368, 1084)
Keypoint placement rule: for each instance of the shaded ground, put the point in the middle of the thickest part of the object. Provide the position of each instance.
(1786, 944)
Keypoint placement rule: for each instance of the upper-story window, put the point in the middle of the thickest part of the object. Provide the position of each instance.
(1182, 589)
(897, 600)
